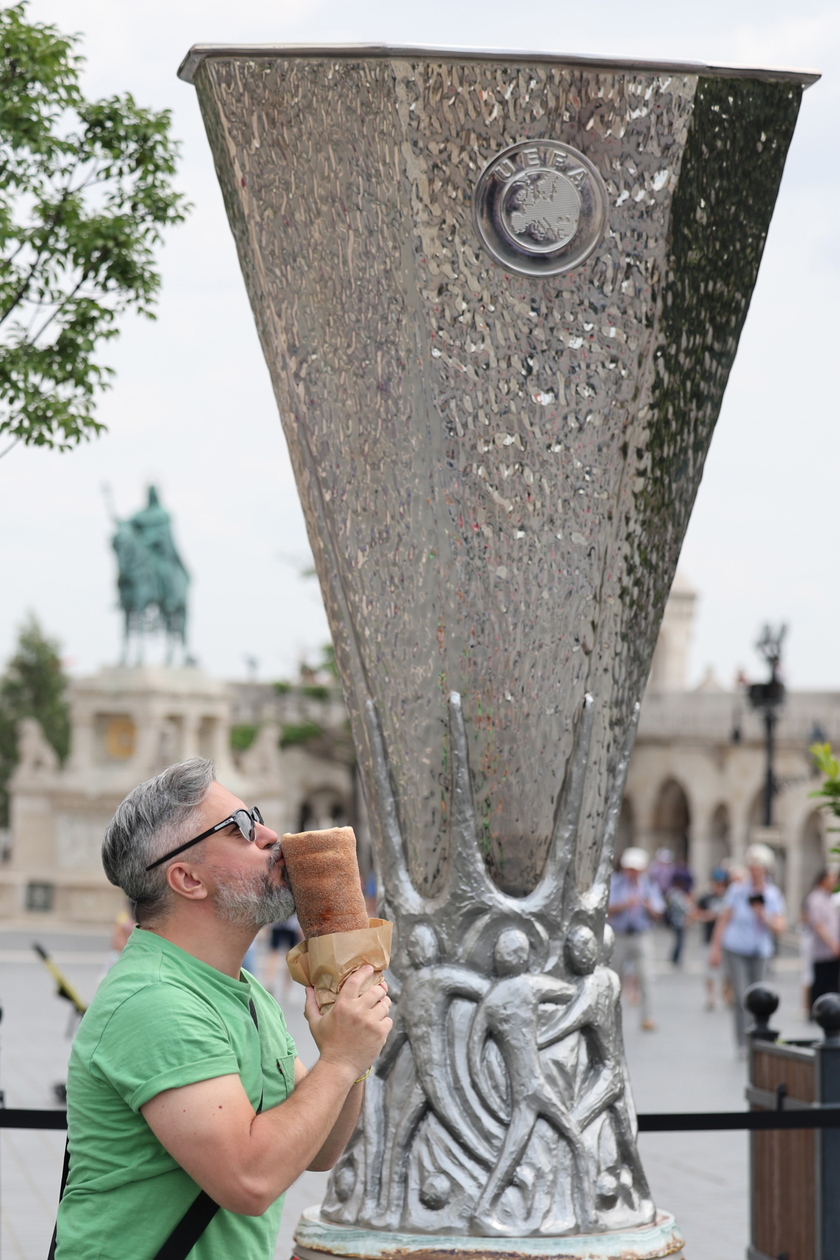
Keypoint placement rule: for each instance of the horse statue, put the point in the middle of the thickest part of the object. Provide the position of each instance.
(152, 580)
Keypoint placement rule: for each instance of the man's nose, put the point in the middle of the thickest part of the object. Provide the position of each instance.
(265, 837)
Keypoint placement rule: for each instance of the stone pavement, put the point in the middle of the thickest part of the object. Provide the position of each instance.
(689, 1064)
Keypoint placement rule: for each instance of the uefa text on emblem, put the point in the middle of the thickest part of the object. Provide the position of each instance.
(540, 207)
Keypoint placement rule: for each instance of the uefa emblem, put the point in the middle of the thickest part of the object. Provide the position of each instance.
(540, 207)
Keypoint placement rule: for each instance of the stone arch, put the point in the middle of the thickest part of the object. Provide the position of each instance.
(321, 808)
(812, 849)
(672, 820)
(720, 836)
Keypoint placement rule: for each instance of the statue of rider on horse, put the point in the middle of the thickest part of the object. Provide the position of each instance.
(152, 580)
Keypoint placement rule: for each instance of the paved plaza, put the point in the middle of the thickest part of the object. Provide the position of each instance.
(689, 1064)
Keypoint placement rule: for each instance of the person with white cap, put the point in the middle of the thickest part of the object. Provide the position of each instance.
(635, 904)
(752, 917)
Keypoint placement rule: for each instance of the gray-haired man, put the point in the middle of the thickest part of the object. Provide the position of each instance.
(189, 1113)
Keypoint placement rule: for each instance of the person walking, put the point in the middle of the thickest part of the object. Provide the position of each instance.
(750, 921)
(635, 904)
(679, 908)
(283, 937)
(823, 921)
(709, 906)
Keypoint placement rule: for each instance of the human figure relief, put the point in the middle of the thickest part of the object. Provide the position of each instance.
(596, 1013)
(500, 959)
(510, 1014)
(421, 1023)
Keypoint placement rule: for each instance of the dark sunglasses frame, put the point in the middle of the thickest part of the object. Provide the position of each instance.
(247, 830)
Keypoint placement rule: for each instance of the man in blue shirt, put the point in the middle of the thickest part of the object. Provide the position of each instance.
(635, 903)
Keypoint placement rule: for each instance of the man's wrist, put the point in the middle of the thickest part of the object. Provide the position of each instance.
(349, 1071)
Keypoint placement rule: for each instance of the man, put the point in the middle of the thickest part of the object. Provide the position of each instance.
(709, 906)
(635, 902)
(189, 1113)
(823, 923)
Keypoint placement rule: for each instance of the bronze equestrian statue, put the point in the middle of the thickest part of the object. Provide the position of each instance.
(152, 580)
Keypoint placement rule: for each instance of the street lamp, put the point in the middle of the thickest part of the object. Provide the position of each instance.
(767, 698)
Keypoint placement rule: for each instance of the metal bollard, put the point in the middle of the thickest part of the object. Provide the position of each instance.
(762, 1002)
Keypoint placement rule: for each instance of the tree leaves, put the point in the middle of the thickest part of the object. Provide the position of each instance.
(34, 685)
(85, 196)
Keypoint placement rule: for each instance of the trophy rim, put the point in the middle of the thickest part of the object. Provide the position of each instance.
(200, 53)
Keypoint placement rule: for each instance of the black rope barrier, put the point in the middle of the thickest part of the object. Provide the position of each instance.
(699, 1121)
(650, 1122)
(20, 1118)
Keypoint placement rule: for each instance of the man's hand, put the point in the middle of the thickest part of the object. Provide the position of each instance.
(354, 1029)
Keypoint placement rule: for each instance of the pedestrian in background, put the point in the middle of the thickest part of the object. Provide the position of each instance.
(283, 937)
(823, 922)
(709, 906)
(679, 909)
(661, 869)
(635, 903)
(752, 917)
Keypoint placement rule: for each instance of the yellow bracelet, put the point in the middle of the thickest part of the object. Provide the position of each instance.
(359, 1079)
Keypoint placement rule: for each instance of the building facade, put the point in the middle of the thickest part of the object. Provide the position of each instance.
(696, 783)
(695, 786)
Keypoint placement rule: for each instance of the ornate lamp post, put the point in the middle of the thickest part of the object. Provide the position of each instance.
(767, 699)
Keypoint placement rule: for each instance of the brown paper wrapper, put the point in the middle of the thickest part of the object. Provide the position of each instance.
(325, 962)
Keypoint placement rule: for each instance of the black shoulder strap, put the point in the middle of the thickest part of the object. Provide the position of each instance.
(64, 1171)
(189, 1229)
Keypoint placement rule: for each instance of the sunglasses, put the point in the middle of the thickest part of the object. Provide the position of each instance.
(245, 819)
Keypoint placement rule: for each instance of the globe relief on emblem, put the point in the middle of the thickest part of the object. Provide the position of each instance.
(540, 207)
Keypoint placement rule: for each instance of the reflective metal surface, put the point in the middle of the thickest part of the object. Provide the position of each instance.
(497, 472)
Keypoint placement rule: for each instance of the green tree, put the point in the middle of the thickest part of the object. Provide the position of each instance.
(85, 192)
(34, 685)
(829, 793)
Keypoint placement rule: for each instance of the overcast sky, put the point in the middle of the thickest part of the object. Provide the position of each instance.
(192, 409)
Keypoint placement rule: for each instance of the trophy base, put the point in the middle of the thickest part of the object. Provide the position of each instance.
(316, 1239)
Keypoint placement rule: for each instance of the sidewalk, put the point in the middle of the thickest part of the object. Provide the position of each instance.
(689, 1064)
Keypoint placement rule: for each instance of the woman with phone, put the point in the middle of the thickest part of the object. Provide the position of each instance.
(751, 920)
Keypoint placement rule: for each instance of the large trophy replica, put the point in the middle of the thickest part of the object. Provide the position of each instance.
(499, 298)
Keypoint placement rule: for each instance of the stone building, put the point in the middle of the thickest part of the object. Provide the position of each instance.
(695, 785)
(128, 724)
(696, 780)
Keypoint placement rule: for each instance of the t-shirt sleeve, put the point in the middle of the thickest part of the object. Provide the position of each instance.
(160, 1038)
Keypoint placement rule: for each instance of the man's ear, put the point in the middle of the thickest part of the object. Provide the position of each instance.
(183, 880)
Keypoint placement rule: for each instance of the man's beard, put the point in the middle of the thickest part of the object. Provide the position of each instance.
(254, 902)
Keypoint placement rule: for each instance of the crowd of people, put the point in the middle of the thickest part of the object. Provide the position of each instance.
(742, 916)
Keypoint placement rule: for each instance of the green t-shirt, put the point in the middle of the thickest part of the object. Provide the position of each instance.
(161, 1019)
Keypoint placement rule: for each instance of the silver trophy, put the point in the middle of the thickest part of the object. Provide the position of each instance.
(499, 298)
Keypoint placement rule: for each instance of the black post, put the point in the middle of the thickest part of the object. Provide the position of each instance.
(770, 716)
(826, 1012)
(767, 698)
(761, 1001)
